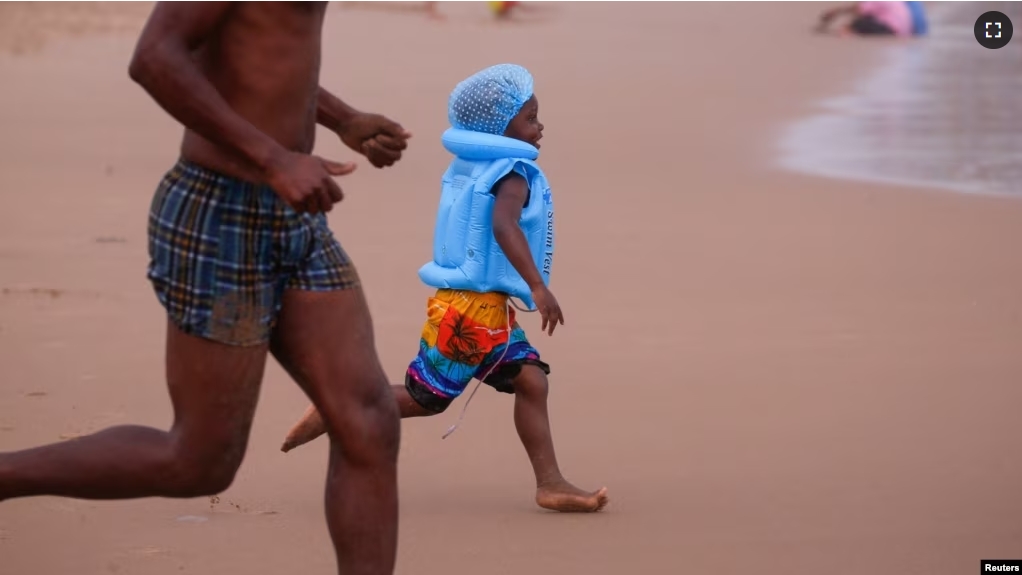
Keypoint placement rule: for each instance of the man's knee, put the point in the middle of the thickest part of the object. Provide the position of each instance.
(206, 469)
(366, 426)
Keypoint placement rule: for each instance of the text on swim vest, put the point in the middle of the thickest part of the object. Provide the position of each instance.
(549, 256)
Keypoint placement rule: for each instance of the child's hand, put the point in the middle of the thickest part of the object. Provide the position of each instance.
(548, 307)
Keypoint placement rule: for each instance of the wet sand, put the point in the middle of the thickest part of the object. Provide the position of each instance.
(771, 372)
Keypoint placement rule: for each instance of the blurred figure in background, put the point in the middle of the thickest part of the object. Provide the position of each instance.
(920, 27)
(874, 19)
(502, 10)
(433, 13)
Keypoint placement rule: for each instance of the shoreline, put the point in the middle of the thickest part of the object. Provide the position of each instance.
(914, 121)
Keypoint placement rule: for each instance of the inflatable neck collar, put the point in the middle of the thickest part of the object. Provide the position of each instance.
(476, 146)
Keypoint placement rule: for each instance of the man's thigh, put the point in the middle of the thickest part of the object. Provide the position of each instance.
(324, 339)
(215, 246)
(214, 388)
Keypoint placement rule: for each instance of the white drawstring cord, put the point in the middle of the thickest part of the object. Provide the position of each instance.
(464, 408)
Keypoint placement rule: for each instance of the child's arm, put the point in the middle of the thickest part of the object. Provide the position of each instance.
(512, 192)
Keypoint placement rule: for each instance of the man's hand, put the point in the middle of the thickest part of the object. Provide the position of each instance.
(548, 308)
(306, 182)
(378, 138)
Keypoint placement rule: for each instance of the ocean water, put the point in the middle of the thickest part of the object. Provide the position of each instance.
(941, 112)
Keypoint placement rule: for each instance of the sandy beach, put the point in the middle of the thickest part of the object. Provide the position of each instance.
(772, 373)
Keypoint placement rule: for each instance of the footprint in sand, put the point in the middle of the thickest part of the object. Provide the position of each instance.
(215, 500)
(56, 293)
(53, 293)
(131, 556)
(147, 551)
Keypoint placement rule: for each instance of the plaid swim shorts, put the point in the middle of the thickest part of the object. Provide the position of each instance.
(222, 251)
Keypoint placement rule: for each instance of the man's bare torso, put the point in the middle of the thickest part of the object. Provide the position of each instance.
(264, 61)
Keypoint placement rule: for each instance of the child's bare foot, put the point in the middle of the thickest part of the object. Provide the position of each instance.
(309, 427)
(566, 498)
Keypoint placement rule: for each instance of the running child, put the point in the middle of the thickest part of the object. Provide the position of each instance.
(493, 241)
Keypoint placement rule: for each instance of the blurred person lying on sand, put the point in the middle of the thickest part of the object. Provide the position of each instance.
(871, 19)
(244, 263)
(506, 240)
(501, 10)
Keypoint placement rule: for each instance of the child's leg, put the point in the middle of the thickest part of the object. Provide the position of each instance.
(408, 406)
(553, 491)
(416, 398)
(311, 425)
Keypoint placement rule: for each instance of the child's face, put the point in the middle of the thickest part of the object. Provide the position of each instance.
(526, 125)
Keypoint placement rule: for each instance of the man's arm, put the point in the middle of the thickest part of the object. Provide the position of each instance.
(378, 138)
(512, 192)
(331, 112)
(163, 66)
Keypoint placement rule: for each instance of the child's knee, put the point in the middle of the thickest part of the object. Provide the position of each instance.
(429, 403)
(531, 381)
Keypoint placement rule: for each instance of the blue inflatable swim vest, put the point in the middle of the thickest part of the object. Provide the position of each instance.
(919, 25)
(465, 253)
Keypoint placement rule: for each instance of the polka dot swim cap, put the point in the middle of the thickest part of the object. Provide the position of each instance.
(488, 100)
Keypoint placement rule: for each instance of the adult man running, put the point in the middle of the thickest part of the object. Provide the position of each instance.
(244, 263)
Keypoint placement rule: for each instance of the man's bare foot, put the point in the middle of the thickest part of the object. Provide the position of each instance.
(566, 498)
